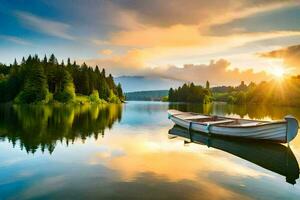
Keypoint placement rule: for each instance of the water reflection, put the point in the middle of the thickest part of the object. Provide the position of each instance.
(42, 127)
(275, 157)
(135, 159)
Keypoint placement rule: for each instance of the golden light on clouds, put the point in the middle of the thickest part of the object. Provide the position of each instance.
(290, 57)
(133, 60)
(132, 37)
(181, 34)
(175, 36)
(157, 50)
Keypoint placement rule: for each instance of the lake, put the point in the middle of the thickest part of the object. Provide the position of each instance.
(132, 151)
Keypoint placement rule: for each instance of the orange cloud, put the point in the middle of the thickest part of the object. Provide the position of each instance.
(187, 36)
(175, 36)
(155, 23)
(217, 73)
(132, 60)
(106, 52)
(160, 33)
(167, 33)
(193, 12)
(290, 55)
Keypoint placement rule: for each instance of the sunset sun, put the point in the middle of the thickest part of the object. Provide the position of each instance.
(278, 72)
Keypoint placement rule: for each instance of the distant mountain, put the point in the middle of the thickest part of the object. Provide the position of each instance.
(155, 95)
(146, 83)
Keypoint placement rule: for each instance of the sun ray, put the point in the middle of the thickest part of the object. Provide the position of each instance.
(278, 72)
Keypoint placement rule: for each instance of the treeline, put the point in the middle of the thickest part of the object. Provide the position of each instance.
(154, 95)
(222, 89)
(190, 93)
(45, 80)
(275, 92)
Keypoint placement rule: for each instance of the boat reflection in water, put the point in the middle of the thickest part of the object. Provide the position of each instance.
(275, 157)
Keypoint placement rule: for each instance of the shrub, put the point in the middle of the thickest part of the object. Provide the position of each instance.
(94, 97)
(63, 96)
(113, 98)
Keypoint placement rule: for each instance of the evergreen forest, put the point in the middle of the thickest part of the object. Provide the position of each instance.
(36, 80)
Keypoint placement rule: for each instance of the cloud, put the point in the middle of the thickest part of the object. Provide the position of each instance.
(192, 12)
(98, 42)
(16, 40)
(178, 31)
(277, 19)
(161, 33)
(132, 62)
(290, 55)
(182, 35)
(181, 23)
(174, 36)
(165, 48)
(129, 14)
(106, 52)
(218, 73)
(173, 47)
(46, 26)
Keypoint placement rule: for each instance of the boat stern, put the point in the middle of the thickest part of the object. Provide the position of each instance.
(292, 127)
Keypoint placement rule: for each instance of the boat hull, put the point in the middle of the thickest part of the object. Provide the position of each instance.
(276, 132)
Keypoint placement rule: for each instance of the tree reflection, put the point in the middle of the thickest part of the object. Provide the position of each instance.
(35, 127)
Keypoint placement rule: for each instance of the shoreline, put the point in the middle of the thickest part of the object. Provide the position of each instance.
(82, 100)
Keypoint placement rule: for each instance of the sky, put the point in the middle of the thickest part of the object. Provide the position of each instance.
(197, 40)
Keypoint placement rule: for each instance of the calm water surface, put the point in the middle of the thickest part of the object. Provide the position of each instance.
(133, 151)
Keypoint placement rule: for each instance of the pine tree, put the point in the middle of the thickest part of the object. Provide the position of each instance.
(35, 88)
(103, 72)
(45, 60)
(120, 92)
(207, 85)
(69, 62)
(15, 63)
(23, 61)
(53, 60)
(171, 94)
(65, 91)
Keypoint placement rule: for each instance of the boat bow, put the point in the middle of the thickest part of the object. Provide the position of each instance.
(292, 127)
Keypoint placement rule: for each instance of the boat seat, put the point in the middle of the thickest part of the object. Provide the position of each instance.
(220, 122)
(195, 117)
(251, 124)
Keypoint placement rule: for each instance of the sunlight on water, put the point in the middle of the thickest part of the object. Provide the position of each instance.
(133, 150)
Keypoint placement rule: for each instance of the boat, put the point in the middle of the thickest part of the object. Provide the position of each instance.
(275, 157)
(281, 131)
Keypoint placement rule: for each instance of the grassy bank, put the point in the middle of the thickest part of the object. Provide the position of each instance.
(78, 99)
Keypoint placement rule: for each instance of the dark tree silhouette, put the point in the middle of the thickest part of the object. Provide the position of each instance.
(190, 93)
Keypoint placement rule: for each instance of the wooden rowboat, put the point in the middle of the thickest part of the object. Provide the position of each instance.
(282, 131)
